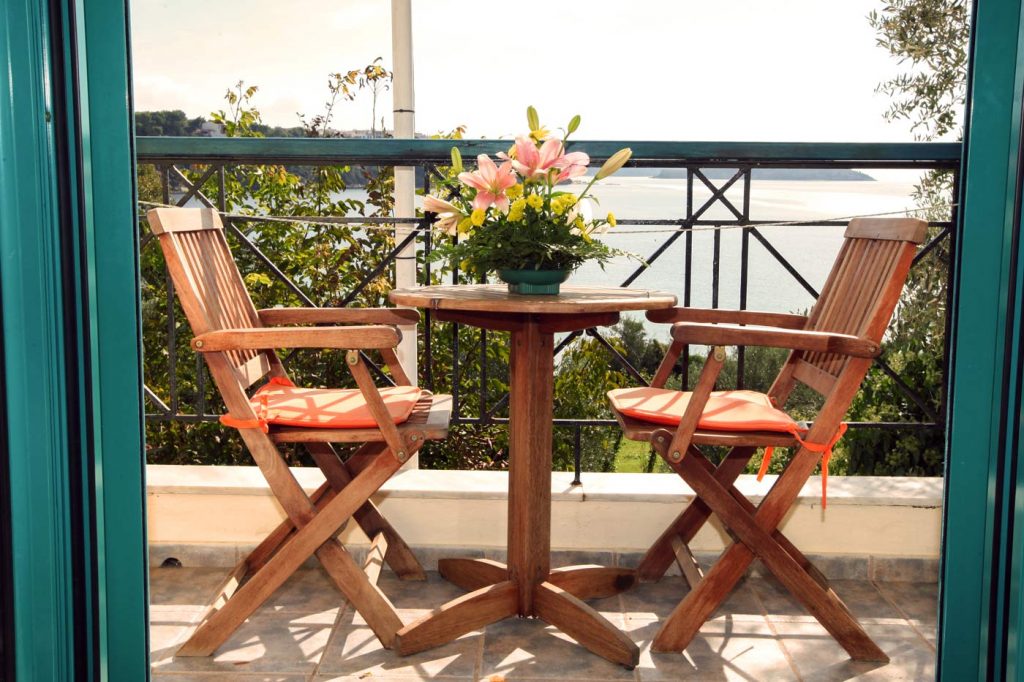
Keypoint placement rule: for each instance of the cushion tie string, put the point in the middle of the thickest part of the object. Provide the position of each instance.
(825, 449)
(261, 414)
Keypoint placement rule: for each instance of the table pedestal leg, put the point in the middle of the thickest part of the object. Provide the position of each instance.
(531, 368)
(527, 586)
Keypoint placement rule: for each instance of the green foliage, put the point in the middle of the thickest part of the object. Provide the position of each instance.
(344, 87)
(533, 244)
(586, 371)
(170, 123)
(325, 260)
(930, 37)
(469, 446)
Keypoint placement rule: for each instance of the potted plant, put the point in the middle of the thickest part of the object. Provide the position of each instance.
(513, 219)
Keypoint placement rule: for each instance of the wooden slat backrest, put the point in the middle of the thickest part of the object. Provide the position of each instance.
(860, 295)
(208, 284)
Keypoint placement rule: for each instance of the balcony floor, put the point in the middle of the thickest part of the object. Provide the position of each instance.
(306, 632)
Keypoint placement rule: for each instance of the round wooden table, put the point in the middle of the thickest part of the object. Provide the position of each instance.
(527, 586)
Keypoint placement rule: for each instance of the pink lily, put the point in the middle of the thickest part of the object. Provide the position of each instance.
(572, 164)
(531, 161)
(448, 215)
(490, 183)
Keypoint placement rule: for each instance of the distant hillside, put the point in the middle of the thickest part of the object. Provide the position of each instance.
(177, 124)
(802, 174)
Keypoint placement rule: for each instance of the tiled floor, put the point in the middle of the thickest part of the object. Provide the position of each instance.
(305, 632)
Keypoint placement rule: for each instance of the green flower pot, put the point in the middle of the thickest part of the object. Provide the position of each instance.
(533, 282)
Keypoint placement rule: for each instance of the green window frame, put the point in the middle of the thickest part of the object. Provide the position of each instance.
(69, 292)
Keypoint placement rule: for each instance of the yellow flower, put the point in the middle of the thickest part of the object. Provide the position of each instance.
(515, 211)
(514, 192)
(611, 219)
(535, 201)
(464, 225)
(477, 216)
(563, 203)
(540, 134)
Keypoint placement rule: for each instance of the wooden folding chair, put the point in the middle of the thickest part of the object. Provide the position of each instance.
(831, 351)
(238, 343)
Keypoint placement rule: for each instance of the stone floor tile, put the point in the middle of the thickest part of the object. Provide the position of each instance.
(177, 588)
(527, 649)
(725, 649)
(168, 630)
(386, 678)
(817, 656)
(658, 600)
(418, 594)
(863, 599)
(281, 643)
(918, 601)
(299, 633)
(308, 590)
(355, 652)
(227, 677)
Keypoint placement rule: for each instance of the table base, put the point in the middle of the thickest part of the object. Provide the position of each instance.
(557, 600)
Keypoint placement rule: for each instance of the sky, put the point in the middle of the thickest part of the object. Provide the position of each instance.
(743, 70)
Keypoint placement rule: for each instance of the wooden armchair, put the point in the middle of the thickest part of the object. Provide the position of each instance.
(238, 343)
(831, 350)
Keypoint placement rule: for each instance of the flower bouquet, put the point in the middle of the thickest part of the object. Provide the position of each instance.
(513, 220)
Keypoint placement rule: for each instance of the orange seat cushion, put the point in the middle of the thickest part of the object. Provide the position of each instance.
(725, 410)
(331, 408)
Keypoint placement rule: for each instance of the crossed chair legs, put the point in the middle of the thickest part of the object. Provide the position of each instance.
(755, 535)
(311, 527)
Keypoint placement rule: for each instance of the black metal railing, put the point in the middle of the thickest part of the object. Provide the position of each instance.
(721, 209)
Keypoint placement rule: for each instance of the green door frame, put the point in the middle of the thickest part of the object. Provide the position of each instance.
(70, 337)
(979, 617)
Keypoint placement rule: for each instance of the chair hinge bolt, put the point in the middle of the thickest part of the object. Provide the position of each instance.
(719, 354)
(197, 344)
(401, 455)
(675, 456)
(352, 357)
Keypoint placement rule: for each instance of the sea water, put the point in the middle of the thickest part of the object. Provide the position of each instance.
(811, 250)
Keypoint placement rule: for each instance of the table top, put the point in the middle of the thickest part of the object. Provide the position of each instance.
(496, 298)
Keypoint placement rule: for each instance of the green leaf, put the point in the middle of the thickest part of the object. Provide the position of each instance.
(532, 119)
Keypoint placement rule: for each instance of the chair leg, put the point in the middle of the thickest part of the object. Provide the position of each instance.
(399, 556)
(661, 554)
(747, 505)
(277, 537)
(315, 535)
(756, 536)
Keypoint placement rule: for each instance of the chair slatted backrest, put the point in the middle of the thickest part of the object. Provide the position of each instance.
(861, 293)
(209, 285)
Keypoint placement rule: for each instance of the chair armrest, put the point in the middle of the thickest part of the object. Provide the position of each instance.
(774, 337)
(782, 320)
(350, 338)
(273, 317)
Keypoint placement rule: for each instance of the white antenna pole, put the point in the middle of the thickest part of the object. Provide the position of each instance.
(405, 176)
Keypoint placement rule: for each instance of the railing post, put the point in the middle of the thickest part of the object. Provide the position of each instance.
(405, 176)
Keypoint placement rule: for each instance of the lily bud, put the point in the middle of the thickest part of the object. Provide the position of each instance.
(617, 161)
(532, 119)
(456, 160)
(574, 124)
